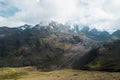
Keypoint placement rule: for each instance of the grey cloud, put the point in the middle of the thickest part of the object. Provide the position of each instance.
(102, 14)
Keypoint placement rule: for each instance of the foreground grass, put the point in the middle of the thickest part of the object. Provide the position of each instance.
(30, 73)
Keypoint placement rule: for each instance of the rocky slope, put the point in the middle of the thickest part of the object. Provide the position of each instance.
(52, 46)
(108, 57)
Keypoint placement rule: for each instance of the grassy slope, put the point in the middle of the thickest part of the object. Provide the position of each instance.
(109, 57)
(29, 73)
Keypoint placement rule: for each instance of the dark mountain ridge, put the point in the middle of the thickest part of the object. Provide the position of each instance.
(49, 47)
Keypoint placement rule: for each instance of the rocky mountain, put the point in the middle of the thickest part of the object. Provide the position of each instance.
(116, 34)
(95, 34)
(52, 46)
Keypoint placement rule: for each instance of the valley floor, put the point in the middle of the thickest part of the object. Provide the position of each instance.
(30, 73)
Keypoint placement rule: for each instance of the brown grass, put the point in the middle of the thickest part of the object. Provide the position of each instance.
(30, 73)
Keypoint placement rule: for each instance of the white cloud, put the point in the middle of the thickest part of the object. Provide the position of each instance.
(102, 14)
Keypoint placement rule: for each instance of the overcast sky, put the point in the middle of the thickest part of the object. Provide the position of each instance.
(101, 14)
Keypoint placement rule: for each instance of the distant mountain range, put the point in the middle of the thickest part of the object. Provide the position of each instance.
(91, 33)
(55, 46)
